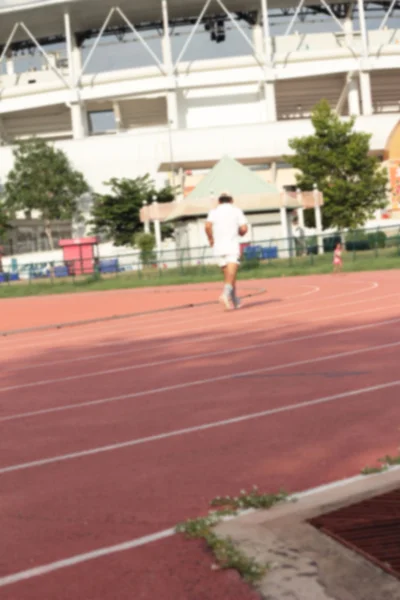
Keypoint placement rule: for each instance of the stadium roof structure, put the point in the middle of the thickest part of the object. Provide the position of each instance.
(45, 17)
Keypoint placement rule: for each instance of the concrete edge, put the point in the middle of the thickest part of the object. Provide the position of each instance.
(317, 501)
(304, 563)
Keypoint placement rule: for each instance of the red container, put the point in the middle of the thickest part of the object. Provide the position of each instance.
(79, 255)
(243, 246)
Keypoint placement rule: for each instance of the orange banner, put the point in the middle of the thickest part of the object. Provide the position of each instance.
(395, 184)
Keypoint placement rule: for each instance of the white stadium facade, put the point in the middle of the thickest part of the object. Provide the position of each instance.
(169, 87)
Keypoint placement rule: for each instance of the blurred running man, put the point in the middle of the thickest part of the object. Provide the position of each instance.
(225, 224)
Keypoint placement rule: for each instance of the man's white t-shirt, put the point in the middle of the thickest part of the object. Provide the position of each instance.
(226, 220)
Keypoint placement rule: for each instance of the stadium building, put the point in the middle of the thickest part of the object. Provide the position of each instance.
(168, 88)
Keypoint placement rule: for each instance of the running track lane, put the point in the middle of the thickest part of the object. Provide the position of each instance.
(134, 417)
(99, 386)
(281, 291)
(42, 311)
(207, 454)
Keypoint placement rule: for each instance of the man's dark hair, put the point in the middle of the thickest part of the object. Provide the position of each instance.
(225, 199)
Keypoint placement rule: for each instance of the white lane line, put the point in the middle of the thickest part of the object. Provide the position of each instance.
(81, 558)
(190, 357)
(113, 329)
(131, 351)
(110, 329)
(315, 289)
(147, 320)
(179, 432)
(217, 336)
(136, 394)
(148, 539)
(271, 316)
(179, 386)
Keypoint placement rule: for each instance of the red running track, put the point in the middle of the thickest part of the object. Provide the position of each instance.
(116, 431)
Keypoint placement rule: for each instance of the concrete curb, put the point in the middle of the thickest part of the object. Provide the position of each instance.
(305, 564)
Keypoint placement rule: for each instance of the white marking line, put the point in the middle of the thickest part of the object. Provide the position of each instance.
(179, 432)
(179, 386)
(315, 290)
(143, 541)
(112, 328)
(184, 359)
(80, 558)
(121, 325)
(152, 318)
(131, 351)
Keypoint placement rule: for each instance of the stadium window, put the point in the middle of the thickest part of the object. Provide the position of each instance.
(101, 121)
(260, 167)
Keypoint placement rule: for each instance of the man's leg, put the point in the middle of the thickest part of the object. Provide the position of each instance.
(232, 269)
(229, 294)
(226, 297)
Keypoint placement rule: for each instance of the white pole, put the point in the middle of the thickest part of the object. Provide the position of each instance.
(10, 64)
(363, 28)
(157, 226)
(388, 15)
(192, 34)
(68, 42)
(146, 218)
(285, 228)
(300, 210)
(267, 32)
(318, 220)
(269, 83)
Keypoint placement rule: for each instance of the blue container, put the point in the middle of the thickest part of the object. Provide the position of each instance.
(269, 253)
(109, 266)
(61, 271)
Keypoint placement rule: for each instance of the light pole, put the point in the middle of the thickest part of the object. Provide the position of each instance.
(318, 219)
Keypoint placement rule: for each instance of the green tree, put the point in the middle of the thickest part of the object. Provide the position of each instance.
(337, 159)
(43, 179)
(4, 221)
(117, 214)
(146, 242)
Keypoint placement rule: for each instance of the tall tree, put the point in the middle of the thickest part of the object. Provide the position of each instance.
(43, 179)
(338, 160)
(117, 214)
(4, 221)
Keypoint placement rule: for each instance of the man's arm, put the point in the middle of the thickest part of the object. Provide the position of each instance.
(209, 233)
(243, 229)
(243, 226)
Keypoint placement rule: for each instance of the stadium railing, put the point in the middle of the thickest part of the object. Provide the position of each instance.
(280, 254)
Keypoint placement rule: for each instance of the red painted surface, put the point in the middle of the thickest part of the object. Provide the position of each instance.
(79, 254)
(22, 313)
(66, 508)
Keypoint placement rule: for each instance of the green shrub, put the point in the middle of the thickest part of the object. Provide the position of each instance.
(146, 243)
(331, 242)
(377, 239)
(357, 240)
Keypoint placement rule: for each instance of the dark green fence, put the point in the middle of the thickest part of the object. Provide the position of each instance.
(313, 253)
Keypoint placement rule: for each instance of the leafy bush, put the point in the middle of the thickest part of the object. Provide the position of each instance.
(377, 239)
(146, 243)
(331, 242)
(357, 239)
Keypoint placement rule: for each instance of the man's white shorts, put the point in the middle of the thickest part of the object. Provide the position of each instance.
(225, 260)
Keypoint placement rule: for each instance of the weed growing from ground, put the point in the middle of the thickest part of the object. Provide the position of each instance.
(226, 554)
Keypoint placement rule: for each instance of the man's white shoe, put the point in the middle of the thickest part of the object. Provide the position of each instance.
(226, 303)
